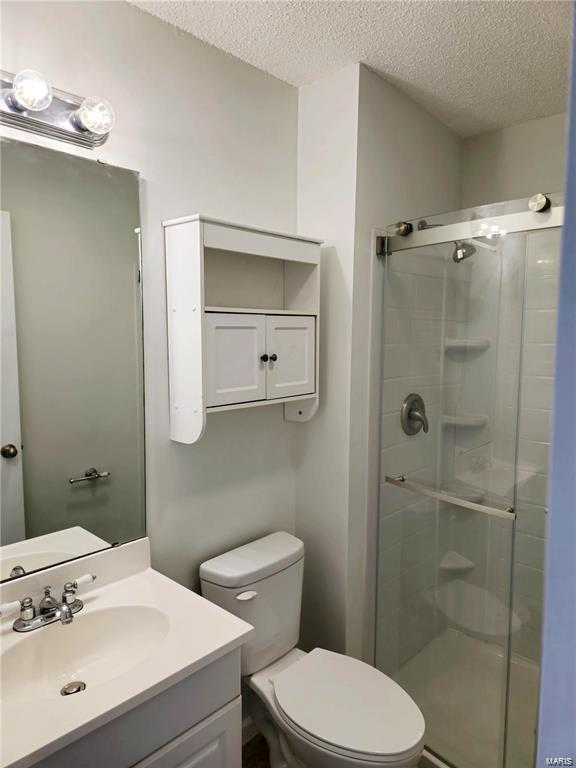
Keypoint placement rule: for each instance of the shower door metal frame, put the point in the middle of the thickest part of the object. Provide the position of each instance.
(489, 226)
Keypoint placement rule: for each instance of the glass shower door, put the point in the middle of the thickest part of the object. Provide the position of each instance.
(452, 334)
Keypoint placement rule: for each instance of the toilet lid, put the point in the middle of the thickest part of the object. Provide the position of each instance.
(346, 703)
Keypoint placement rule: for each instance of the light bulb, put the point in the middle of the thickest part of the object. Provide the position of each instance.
(31, 91)
(95, 115)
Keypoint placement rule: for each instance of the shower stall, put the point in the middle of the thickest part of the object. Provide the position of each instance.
(468, 334)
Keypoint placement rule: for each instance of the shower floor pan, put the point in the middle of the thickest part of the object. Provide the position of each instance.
(458, 683)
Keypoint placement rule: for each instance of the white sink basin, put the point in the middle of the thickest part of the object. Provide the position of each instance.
(97, 647)
(137, 635)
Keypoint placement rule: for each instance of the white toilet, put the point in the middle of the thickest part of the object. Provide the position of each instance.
(317, 709)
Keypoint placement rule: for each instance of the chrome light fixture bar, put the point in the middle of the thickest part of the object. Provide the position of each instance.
(28, 103)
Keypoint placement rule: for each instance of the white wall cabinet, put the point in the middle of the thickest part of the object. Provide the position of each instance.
(258, 357)
(243, 309)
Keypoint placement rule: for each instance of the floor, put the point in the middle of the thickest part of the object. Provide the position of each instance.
(255, 754)
(459, 683)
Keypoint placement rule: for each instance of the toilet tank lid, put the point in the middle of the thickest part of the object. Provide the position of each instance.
(254, 561)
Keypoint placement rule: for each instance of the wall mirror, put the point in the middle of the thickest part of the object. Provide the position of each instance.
(72, 397)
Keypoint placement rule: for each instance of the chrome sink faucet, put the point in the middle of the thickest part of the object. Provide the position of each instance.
(49, 608)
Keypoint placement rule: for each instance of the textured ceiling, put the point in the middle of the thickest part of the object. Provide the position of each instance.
(474, 64)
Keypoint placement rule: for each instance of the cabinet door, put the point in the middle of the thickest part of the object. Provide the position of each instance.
(214, 743)
(234, 371)
(291, 345)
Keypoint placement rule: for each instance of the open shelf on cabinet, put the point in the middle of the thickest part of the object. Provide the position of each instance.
(243, 307)
(259, 311)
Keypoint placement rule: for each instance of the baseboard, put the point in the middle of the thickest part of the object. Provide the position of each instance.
(431, 761)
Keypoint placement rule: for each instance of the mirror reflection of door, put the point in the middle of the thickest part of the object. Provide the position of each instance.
(76, 282)
(11, 481)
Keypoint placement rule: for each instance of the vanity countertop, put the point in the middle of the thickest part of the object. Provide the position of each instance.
(174, 633)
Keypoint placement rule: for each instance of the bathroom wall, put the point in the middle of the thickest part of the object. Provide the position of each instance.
(514, 162)
(409, 164)
(207, 133)
(327, 158)
(367, 155)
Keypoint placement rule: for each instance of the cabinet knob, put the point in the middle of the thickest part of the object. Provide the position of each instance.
(264, 358)
(273, 358)
(9, 451)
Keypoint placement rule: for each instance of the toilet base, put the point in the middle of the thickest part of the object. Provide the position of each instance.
(280, 754)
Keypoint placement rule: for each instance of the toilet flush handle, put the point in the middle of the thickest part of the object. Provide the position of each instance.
(243, 596)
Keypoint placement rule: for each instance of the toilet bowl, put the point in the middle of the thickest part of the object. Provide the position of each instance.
(330, 710)
(319, 709)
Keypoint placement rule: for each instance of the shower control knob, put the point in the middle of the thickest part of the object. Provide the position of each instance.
(9, 451)
(539, 203)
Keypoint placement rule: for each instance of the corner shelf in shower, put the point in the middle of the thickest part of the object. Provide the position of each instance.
(453, 562)
(469, 421)
(465, 345)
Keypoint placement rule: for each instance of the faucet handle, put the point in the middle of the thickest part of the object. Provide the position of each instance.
(7, 608)
(25, 606)
(27, 610)
(88, 578)
(69, 593)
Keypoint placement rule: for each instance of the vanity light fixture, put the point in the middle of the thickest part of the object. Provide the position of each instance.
(29, 103)
(95, 115)
(30, 91)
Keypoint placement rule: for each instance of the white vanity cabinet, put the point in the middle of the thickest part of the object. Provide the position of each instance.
(258, 357)
(243, 315)
(214, 743)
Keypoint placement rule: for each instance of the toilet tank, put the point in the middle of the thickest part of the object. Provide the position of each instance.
(261, 583)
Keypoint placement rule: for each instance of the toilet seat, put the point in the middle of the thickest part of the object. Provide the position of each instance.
(346, 707)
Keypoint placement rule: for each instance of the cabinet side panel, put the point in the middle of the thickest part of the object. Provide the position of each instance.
(184, 307)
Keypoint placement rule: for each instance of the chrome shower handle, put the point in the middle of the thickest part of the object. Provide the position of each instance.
(419, 416)
(413, 415)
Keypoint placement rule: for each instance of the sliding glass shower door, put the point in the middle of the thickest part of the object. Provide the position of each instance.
(466, 327)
